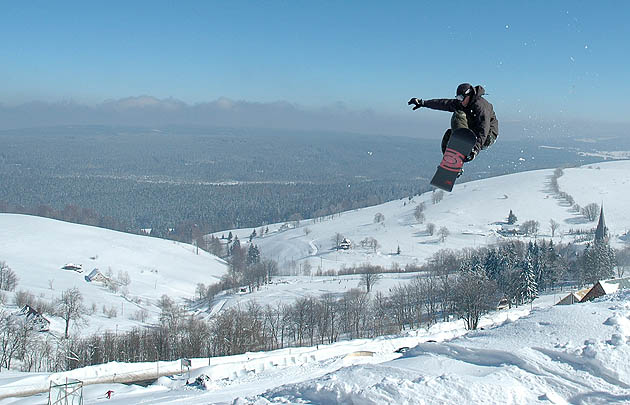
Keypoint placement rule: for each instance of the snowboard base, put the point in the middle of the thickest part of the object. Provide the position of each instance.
(459, 146)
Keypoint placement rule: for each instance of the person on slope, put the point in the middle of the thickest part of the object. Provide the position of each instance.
(470, 110)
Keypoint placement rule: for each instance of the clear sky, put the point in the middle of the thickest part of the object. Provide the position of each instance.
(544, 58)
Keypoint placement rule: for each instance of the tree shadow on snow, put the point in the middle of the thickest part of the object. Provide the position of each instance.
(577, 220)
(430, 242)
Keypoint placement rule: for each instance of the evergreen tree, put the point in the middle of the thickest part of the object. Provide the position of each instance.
(507, 259)
(474, 264)
(234, 246)
(511, 219)
(253, 255)
(597, 262)
(528, 288)
(538, 258)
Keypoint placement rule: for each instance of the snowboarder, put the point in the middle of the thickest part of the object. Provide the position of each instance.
(108, 394)
(470, 110)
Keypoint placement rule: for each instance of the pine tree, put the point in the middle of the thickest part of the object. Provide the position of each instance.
(597, 262)
(235, 245)
(507, 261)
(528, 288)
(253, 255)
(511, 219)
(492, 264)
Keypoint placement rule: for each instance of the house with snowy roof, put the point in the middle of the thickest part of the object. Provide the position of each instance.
(95, 275)
(574, 297)
(605, 287)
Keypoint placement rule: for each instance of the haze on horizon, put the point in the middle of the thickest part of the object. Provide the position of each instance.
(333, 66)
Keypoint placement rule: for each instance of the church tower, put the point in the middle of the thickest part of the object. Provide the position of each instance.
(601, 233)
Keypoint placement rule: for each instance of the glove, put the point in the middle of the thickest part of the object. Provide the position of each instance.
(472, 155)
(417, 102)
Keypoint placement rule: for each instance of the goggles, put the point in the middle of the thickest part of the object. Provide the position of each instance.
(461, 97)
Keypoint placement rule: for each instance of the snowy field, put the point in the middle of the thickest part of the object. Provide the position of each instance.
(473, 213)
(37, 249)
(575, 354)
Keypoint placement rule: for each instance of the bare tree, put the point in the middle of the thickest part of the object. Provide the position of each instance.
(530, 227)
(418, 212)
(590, 212)
(473, 296)
(370, 242)
(369, 277)
(8, 278)
(307, 268)
(70, 307)
(430, 228)
(437, 196)
(123, 278)
(623, 260)
(443, 233)
(554, 227)
(378, 218)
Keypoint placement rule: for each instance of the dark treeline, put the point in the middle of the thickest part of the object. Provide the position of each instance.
(167, 180)
(463, 285)
(170, 210)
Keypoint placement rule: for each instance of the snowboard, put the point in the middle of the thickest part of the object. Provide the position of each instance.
(459, 146)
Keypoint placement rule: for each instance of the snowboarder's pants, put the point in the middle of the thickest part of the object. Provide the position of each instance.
(458, 120)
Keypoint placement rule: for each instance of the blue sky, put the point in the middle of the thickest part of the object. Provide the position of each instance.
(549, 59)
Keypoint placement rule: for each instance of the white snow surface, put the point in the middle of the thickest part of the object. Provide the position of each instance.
(577, 354)
(570, 354)
(473, 213)
(37, 248)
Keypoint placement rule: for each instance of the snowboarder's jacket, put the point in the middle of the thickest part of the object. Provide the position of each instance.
(479, 112)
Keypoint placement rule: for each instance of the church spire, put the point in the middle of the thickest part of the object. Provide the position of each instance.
(601, 233)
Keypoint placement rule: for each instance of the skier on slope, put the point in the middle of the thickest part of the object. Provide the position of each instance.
(470, 110)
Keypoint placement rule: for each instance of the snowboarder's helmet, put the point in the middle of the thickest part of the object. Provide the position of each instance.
(463, 90)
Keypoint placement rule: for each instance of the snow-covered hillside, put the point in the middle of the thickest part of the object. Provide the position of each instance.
(577, 354)
(37, 249)
(473, 214)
